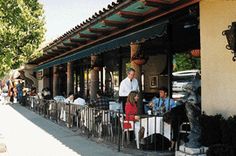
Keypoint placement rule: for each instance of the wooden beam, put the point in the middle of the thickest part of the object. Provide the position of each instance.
(49, 54)
(72, 44)
(57, 50)
(102, 31)
(89, 36)
(116, 23)
(63, 47)
(159, 3)
(78, 41)
(129, 14)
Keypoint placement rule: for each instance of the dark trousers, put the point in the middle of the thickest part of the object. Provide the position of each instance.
(123, 100)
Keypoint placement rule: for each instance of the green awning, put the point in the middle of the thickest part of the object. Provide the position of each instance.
(156, 30)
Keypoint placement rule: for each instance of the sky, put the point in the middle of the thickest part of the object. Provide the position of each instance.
(63, 15)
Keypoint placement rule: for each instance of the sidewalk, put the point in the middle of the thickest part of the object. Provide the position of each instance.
(29, 134)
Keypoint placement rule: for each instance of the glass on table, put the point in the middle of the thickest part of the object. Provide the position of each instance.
(151, 104)
(157, 113)
(149, 112)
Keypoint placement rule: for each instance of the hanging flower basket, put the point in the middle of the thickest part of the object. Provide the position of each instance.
(140, 61)
(195, 52)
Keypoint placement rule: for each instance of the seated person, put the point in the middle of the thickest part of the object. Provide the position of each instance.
(131, 112)
(162, 104)
(101, 102)
(46, 94)
(70, 98)
(33, 91)
(79, 100)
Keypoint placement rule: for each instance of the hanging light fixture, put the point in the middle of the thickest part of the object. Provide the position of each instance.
(231, 39)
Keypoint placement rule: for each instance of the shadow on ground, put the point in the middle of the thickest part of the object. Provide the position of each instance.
(78, 142)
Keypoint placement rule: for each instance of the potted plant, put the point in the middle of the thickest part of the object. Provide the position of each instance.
(139, 59)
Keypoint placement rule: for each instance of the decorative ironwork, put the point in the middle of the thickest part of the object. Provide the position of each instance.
(231, 38)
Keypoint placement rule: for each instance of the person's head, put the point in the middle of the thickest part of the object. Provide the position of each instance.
(131, 73)
(76, 95)
(99, 93)
(133, 97)
(163, 91)
(71, 95)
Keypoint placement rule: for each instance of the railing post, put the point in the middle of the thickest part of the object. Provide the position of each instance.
(119, 131)
(56, 112)
(69, 117)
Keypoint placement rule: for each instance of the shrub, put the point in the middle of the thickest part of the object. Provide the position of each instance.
(220, 150)
(211, 129)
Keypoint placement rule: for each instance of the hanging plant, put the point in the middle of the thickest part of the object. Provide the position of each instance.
(139, 58)
(195, 53)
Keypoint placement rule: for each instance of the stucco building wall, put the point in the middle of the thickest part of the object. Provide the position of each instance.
(218, 69)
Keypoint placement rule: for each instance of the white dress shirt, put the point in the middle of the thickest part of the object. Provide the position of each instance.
(127, 85)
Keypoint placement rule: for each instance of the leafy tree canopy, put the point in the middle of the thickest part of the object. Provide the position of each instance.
(21, 32)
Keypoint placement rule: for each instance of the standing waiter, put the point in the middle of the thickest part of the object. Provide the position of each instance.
(126, 86)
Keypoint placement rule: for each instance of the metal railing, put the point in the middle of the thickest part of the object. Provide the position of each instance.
(105, 125)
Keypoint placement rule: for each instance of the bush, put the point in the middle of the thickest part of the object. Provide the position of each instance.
(211, 129)
(220, 150)
(228, 128)
(218, 133)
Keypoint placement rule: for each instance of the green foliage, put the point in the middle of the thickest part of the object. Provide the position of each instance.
(21, 32)
(184, 61)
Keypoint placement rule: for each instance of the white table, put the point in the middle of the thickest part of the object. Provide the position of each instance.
(114, 106)
(159, 128)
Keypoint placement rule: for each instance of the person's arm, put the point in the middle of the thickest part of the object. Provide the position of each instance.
(156, 102)
(172, 103)
(121, 89)
(138, 86)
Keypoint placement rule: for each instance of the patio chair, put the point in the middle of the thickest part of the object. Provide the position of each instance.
(126, 127)
(184, 131)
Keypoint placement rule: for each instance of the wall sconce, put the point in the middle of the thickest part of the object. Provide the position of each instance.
(231, 39)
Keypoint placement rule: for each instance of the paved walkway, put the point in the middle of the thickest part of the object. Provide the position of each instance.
(28, 134)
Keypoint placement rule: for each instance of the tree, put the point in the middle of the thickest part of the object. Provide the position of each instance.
(21, 32)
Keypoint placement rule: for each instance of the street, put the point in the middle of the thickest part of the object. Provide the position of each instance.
(26, 133)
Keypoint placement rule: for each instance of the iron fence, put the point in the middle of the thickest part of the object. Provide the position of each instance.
(105, 125)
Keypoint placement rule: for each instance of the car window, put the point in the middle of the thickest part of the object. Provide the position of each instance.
(183, 78)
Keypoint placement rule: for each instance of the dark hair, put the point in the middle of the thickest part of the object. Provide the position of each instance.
(76, 96)
(70, 93)
(164, 89)
(99, 92)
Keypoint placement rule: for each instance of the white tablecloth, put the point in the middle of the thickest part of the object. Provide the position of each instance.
(158, 128)
(114, 106)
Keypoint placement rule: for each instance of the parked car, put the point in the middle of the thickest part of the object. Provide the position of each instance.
(182, 78)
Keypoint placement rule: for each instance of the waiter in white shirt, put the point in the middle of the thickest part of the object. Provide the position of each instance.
(126, 86)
